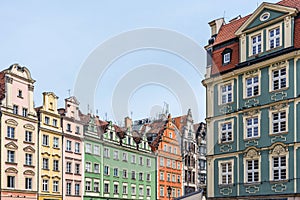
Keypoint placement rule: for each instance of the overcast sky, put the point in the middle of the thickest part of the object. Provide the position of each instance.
(54, 38)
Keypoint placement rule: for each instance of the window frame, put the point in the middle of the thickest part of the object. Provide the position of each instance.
(220, 125)
(227, 173)
(220, 93)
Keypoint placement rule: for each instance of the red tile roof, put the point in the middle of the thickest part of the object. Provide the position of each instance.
(290, 3)
(227, 31)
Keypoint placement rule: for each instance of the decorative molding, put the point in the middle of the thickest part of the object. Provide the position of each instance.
(278, 149)
(11, 122)
(251, 102)
(279, 64)
(251, 113)
(278, 138)
(11, 170)
(252, 189)
(252, 72)
(9, 80)
(226, 109)
(287, 21)
(30, 88)
(11, 145)
(279, 96)
(45, 176)
(29, 126)
(279, 106)
(251, 143)
(251, 153)
(56, 177)
(226, 191)
(29, 173)
(45, 153)
(279, 187)
(29, 149)
(225, 148)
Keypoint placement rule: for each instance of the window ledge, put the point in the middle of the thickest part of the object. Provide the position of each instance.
(279, 90)
(252, 138)
(225, 185)
(279, 181)
(276, 134)
(13, 139)
(252, 183)
(11, 163)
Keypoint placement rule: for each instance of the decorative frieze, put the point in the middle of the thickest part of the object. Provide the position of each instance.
(252, 189)
(279, 96)
(279, 187)
(251, 102)
(278, 138)
(251, 143)
(251, 113)
(226, 109)
(226, 191)
(225, 148)
(279, 106)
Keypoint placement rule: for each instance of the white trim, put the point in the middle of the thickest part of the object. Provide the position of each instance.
(231, 82)
(227, 173)
(268, 37)
(220, 124)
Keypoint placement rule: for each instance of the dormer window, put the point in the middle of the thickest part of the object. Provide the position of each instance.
(274, 38)
(226, 56)
(256, 44)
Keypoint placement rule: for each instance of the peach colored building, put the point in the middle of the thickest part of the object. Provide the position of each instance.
(72, 150)
(18, 135)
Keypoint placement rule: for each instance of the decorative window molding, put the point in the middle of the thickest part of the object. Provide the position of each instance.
(225, 92)
(11, 122)
(278, 159)
(252, 84)
(252, 166)
(226, 172)
(11, 170)
(278, 116)
(256, 41)
(226, 130)
(29, 127)
(274, 36)
(265, 16)
(28, 173)
(11, 145)
(226, 56)
(252, 126)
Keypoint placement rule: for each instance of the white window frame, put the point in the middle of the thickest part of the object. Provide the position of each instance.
(226, 58)
(226, 132)
(280, 167)
(257, 45)
(276, 37)
(226, 93)
(252, 126)
(252, 86)
(280, 79)
(252, 170)
(227, 173)
(280, 121)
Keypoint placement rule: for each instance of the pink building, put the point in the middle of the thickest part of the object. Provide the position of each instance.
(72, 150)
(18, 135)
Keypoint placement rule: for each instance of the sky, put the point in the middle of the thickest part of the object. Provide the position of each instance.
(54, 39)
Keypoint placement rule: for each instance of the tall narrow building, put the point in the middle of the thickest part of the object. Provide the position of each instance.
(50, 149)
(72, 150)
(19, 139)
(253, 110)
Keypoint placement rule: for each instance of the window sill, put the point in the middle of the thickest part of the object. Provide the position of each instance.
(252, 138)
(276, 134)
(279, 90)
(11, 163)
(225, 104)
(225, 185)
(252, 183)
(254, 96)
(227, 142)
(13, 139)
(279, 181)
(27, 142)
(31, 166)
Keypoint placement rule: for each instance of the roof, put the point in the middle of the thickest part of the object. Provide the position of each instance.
(180, 121)
(227, 31)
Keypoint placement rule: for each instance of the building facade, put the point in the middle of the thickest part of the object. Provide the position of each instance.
(253, 85)
(72, 150)
(19, 138)
(50, 149)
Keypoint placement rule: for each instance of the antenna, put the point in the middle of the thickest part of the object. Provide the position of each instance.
(69, 92)
(106, 116)
(88, 108)
(131, 114)
(224, 14)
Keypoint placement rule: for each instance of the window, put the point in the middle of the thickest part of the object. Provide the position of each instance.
(46, 140)
(55, 165)
(77, 189)
(168, 163)
(133, 159)
(279, 122)
(69, 167)
(28, 183)
(88, 185)
(148, 177)
(124, 156)
(252, 171)
(279, 168)
(20, 94)
(106, 170)
(148, 161)
(133, 175)
(141, 160)
(55, 142)
(226, 93)
(178, 193)
(10, 156)
(173, 178)
(116, 155)
(54, 122)
(141, 176)
(55, 186)
(226, 132)
(148, 191)
(165, 147)
(168, 177)
(252, 86)
(69, 187)
(226, 173)
(161, 161)
(175, 150)
(174, 164)
(10, 181)
(170, 135)
(106, 188)
(161, 177)
(279, 79)
(96, 150)
(226, 58)
(161, 191)
(45, 163)
(141, 191)
(116, 189)
(124, 173)
(24, 112)
(88, 148)
(274, 38)
(256, 44)
(47, 120)
(77, 168)
(28, 136)
(111, 135)
(124, 189)
(178, 179)
(77, 147)
(116, 172)
(77, 130)
(88, 167)
(28, 159)
(252, 127)
(178, 165)
(69, 145)
(10, 132)
(170, 149)
(106, 152)
(133, 192)
(45, 185)
(96, 187)
(15, 109)
(69, 127)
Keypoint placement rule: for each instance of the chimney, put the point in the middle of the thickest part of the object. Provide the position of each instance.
(215, 26)
(128, 123)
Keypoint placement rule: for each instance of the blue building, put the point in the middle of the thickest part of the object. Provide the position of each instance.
(253, 124)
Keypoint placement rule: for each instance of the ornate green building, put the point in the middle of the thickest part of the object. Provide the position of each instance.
(253, 122)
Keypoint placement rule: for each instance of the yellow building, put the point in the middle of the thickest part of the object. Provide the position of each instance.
(50, 149)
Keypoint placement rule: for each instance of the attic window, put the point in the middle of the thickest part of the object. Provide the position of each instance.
(226, 56)
(265, 16)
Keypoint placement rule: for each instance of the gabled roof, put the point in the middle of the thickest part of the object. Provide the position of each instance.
(290, 3)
